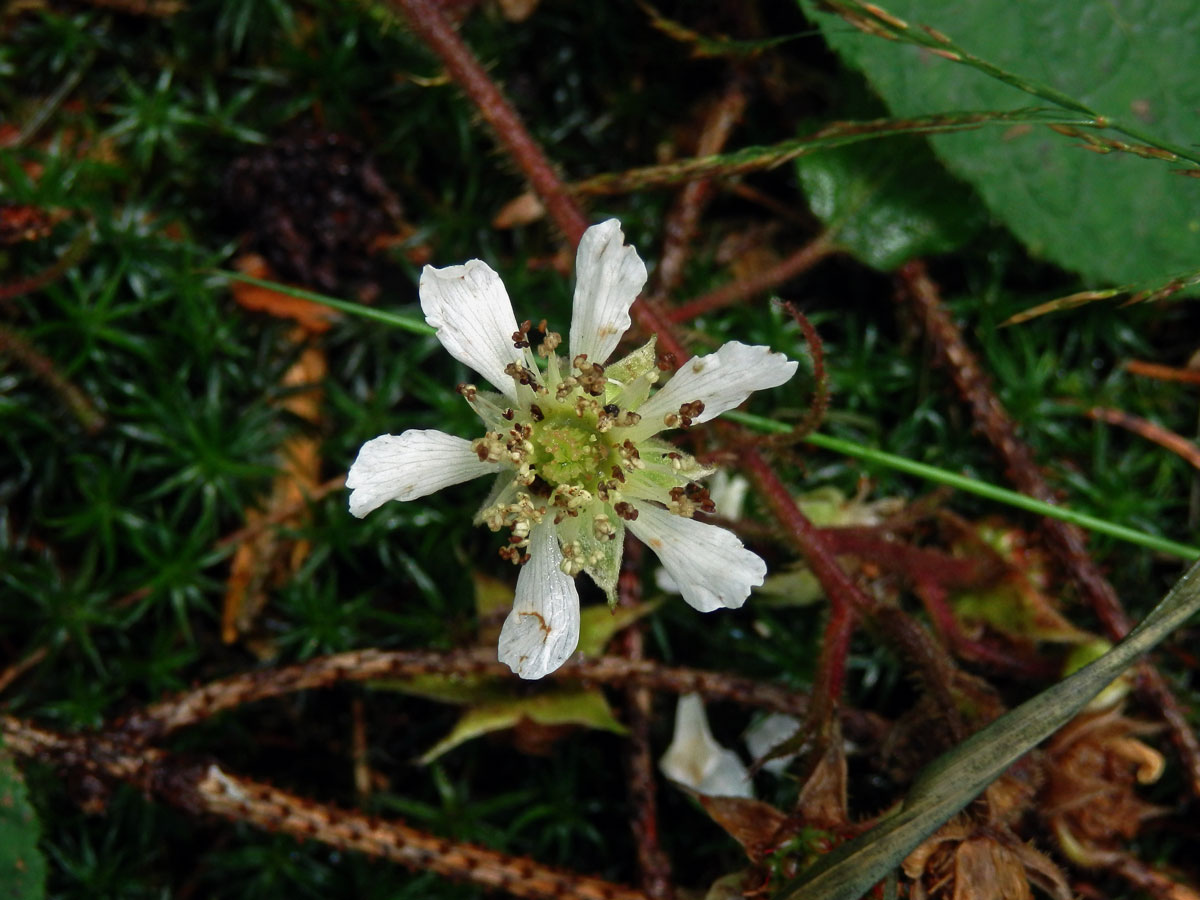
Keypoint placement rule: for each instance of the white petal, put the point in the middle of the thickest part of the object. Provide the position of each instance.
(728, 493)
(696, 760)
(543, 628)
(608, 278)
(709, 564)
(721, 381)
(767, 734)
(470, 309)
(409, 466)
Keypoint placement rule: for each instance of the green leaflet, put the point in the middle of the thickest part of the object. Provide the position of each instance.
(572, 706)
(886, 202)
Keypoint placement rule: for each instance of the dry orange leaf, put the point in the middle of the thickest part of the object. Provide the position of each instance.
(268, 558)
(312, 317)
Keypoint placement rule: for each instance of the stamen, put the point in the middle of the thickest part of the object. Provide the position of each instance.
(491, 447)
(565, 387)
(626, 511)
(690, 411)
(521, 374)
(520, 337)
(550, 342)
(574, 561)
(603, 528)
(591, 376)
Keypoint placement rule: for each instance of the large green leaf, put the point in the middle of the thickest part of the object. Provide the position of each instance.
(1114, 217)
(22, 866)
(885, 202)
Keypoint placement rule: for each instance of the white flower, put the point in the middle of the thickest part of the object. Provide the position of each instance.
(573, 444)
(695, 759)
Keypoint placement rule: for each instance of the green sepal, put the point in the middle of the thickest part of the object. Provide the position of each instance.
(630, 378)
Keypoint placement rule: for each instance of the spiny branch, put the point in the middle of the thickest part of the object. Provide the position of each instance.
(206, 788)
(194, 706)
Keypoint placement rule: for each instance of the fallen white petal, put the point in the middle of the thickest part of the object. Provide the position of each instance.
(695, 759)
(408, 466)
(543, 628)
(721, 381)
(767, 734)
(608, 277)
(470, 309)
(728, 493)
(665, 582)
(709, 564)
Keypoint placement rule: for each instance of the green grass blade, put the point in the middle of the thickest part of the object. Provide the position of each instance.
(408, 323)
(974, 486)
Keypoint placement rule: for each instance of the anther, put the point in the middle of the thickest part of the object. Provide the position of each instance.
(690, 411)
(520, 337)
(591, 375)
(626, 511)
(549, 343)
(520, 373)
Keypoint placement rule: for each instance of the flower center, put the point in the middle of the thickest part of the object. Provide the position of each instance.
(569, 452)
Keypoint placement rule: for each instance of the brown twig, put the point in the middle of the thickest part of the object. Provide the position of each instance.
(360, 764)
(207, 788)
(914, 563)
(683, 221)
(1150, 881)
(190, 707)
(20, 667)
(16, 346)
(281, 515)
(820, 401)
(1161, 372)
(1066, 541)
(654, 868)
(735, 292)
(788, 212)
(427, 20)
(932, 664)
(75, 252)
(157, 9)
(1166, 439)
